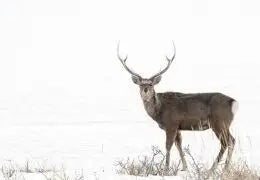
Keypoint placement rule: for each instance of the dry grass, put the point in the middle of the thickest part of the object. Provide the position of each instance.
(146, 166)
(237, 171)
(12, 171)
(142, 166)
(241, 170)
(8, 171)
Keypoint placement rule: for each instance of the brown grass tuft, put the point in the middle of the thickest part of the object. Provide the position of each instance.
(145, 165)
(155, 165)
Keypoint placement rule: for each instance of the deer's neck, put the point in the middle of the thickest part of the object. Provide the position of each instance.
(152, 106)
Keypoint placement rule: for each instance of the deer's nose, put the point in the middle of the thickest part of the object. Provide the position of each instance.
(145, 90)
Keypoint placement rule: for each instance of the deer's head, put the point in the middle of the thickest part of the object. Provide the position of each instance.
(146, 84)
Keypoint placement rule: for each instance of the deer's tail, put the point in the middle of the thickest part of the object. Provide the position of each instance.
(234, 106)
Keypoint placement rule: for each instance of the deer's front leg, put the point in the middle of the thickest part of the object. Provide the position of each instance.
(170, 136)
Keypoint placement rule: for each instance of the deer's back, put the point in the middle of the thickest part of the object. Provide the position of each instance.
(194, 111)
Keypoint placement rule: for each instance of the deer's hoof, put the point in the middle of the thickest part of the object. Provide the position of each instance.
(184, 169)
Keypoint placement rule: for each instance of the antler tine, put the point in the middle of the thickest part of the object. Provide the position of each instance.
(171, 59)
(168, 65)
(118, 55)
(123, 61)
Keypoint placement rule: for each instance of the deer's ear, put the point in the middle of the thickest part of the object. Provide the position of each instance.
(136, 80)
(156, 80)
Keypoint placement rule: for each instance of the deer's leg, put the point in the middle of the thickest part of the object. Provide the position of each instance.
(231, 144)
(224, 143)
(178, 143)
(170, 136)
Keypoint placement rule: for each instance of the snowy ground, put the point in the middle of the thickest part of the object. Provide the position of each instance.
(94, 147)
(65, 99)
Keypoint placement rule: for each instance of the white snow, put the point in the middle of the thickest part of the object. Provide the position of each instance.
(95, 147)
(65, 99)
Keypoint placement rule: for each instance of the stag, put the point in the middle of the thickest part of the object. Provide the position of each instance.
(175, 111)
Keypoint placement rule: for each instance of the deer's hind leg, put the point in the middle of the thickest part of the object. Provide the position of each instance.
(226, 141)
(231, 144)
(223, 147)
(178, 143)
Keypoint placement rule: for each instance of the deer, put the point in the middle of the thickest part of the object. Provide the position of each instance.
(175, 112)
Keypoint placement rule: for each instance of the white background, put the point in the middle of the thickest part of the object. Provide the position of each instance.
(58, 61)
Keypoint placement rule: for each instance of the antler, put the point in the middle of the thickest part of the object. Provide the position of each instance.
(168, 65)
(123, 62)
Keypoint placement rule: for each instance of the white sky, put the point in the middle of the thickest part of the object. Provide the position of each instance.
(58, 59)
